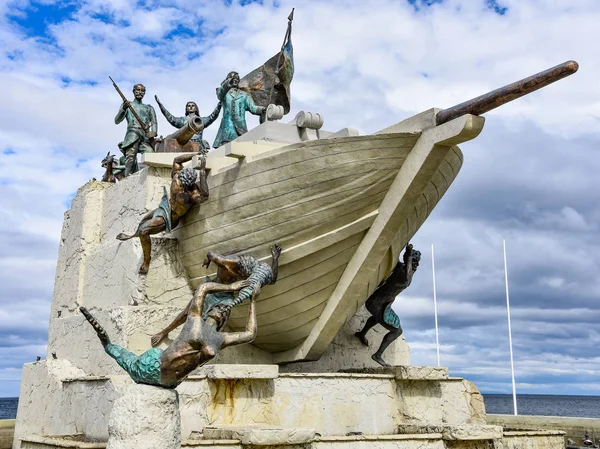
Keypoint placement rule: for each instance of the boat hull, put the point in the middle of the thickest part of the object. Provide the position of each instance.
(317, 200)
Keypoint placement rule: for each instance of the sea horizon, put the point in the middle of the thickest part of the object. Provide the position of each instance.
(528, 404)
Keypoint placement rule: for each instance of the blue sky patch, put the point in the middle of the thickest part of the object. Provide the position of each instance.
(36, 17)
(418, 4)
(498, 9)
(9, 151)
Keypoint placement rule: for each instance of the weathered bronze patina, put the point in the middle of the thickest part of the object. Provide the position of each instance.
(236, 102)
(141, 126)
(183, 123)
(112, 170)
(185, 193)
(230, 269)
(380, 302)
(198, 342)
(498, 97)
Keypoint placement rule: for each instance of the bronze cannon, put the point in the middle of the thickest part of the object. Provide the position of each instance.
(179, 141)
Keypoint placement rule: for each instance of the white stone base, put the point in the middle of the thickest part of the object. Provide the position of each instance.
(145, 417)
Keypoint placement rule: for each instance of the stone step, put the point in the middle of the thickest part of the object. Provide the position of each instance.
(466, 432)
(51, 442)
(257, 436)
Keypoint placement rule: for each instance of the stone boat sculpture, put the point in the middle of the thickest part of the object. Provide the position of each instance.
(341, 205)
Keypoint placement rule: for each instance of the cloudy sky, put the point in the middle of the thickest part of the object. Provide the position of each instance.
(529, 178)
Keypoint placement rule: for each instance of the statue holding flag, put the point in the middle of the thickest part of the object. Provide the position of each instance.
(268, 84)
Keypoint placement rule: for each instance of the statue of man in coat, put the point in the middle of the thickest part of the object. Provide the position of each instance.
(235, 104)
(136, 140)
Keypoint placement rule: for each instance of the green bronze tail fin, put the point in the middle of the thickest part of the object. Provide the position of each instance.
(102, 335)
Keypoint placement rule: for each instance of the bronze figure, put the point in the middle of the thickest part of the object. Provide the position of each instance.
(198, 342)
(191, 108)
(141, 126)
(236, 102)
(380, 302)
(185, 193)
(230, 269)
(113, 172)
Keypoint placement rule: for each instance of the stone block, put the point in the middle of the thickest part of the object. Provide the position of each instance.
(238, 371)
(406, 372)
(464, 432)
(145, 417)
(260, 435)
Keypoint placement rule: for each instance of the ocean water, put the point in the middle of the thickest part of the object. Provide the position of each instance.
(8, 408)
(544, 405)
(527, 404)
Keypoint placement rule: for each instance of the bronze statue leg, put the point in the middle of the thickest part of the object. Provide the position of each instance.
(387, 340)
(372, 321)
(102, 335)
(145, 230)
(130, 157)
(122, 236)
(231, 264)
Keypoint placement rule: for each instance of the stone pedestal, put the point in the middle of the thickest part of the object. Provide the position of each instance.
(145, 417)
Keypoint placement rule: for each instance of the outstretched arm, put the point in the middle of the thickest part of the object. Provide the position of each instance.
(212, 287)
(275, 253)
(156, 338)
(180, 160)
(177, 122)
(207, 121)
(407, 260)
(238, 338)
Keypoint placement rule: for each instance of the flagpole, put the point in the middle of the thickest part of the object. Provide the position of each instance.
(512, 364)
(437, 339)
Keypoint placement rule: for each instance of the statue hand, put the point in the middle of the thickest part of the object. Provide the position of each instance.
(125, 105)
(208, 260)
(202, 156)
(276, 251)
(157, 100)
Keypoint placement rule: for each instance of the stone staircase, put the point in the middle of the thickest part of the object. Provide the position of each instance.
(253, 407)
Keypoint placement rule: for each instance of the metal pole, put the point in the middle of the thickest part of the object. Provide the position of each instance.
(437, 339)
(512, 364)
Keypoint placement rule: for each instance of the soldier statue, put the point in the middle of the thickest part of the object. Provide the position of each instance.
(380, 302)
(235, 104)
(141, 127)
(191, 108)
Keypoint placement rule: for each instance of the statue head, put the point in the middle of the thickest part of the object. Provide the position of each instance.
(234, 79)
(191, 108)
(187, 176)
(139, 90)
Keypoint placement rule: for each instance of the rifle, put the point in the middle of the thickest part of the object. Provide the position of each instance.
(135, 114)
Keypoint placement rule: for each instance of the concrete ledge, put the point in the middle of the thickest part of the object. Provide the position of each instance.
(260, 436)
(223, 444)
(407, 372)
(66, 442)
(424, 436)
(455, 433)
(236, 372)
